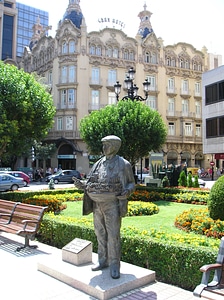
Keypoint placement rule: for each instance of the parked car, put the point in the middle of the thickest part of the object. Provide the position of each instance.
(201, 182)
(10, 183)
(64, 176)
(19, 174)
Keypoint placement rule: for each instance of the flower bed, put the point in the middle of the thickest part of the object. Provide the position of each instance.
(198, 221)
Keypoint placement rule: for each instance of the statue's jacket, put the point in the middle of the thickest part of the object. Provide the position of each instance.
(106, 181)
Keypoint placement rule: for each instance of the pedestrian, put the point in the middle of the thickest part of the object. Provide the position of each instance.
(48, 171)
(109, 183)
(199, 173)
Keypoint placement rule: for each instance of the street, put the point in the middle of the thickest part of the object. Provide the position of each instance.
(44, 185)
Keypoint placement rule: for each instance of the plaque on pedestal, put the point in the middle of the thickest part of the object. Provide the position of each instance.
(77, 252)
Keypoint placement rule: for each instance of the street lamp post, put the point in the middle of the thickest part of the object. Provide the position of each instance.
(131, 88)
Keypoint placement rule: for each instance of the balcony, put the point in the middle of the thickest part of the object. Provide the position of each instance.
(153, 90)
(66, 106)
(68, 134)
(96, 106)
(95, 84)
(68, 83)
(187, 114)
(172, 114)
(185, 93)
(171, 92)
(197, 95)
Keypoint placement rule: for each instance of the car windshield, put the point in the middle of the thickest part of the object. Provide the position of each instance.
(58, 172)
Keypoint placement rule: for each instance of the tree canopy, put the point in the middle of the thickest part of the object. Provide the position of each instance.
(27, 111)
(140, 128)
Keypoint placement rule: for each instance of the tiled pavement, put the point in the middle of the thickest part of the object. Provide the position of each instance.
(20, 279)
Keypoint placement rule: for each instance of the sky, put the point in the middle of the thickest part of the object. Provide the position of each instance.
(196, 22)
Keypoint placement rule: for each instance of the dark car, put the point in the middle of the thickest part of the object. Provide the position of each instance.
(19, 174)
(64, 176)
(10, 183)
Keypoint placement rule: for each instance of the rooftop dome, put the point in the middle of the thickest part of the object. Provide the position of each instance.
(75, 17)
(74, 13)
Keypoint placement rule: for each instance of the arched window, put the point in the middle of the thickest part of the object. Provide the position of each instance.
(71, 46)
(92, 49)
(173, 62)
(147, 57)
(181, 63)
(109, 52)
(153, 60)
(131, 55)
(125, 54)
(187, 65)
(64, 48)
(115, 52)
(168, 61)
(98, 50)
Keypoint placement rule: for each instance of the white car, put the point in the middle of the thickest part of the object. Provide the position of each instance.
(201, 182)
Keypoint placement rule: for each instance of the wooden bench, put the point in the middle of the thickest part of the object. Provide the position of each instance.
(25, 220)
(6, 210)
(215, 288)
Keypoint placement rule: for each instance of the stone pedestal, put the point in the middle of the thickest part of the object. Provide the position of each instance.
(98, 284)
(77, 252)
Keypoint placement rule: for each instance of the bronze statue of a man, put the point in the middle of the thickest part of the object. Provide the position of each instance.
(109, 183)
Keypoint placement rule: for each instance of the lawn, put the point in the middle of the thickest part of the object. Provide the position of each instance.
(163, 221)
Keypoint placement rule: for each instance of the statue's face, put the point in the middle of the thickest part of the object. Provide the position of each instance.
(109, 149)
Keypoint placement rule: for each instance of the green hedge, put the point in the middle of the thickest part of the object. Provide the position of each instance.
(173, 263)
(18, 196)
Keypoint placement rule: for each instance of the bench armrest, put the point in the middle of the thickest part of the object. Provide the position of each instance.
(30, 221)
(210, 267)
(27, 222)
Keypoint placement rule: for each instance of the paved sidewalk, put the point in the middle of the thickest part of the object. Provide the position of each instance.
(20, 278)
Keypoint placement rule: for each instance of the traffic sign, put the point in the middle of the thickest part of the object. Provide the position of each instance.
(212, 163)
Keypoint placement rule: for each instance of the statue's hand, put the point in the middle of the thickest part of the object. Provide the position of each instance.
(125, 193)
(80, 185)
(123, 207)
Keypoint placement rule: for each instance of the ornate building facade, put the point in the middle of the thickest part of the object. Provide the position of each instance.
(82, 67)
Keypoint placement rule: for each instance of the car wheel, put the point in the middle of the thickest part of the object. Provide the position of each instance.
(56, 181)
(25, 183)
(14, 187)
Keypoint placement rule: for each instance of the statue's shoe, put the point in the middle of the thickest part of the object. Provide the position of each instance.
(115, 271)
(98, 266)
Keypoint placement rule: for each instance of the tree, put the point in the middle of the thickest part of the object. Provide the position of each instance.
(189, 180)
(27, 111)
(140, 128)
(182, 181)
(44, 151)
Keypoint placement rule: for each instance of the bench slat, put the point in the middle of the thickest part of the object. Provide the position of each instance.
(6, 210)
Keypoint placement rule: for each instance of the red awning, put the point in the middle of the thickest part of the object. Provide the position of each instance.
(219, 156)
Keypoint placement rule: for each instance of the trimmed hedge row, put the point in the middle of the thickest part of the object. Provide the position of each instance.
(173, 263)
(19, 196)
